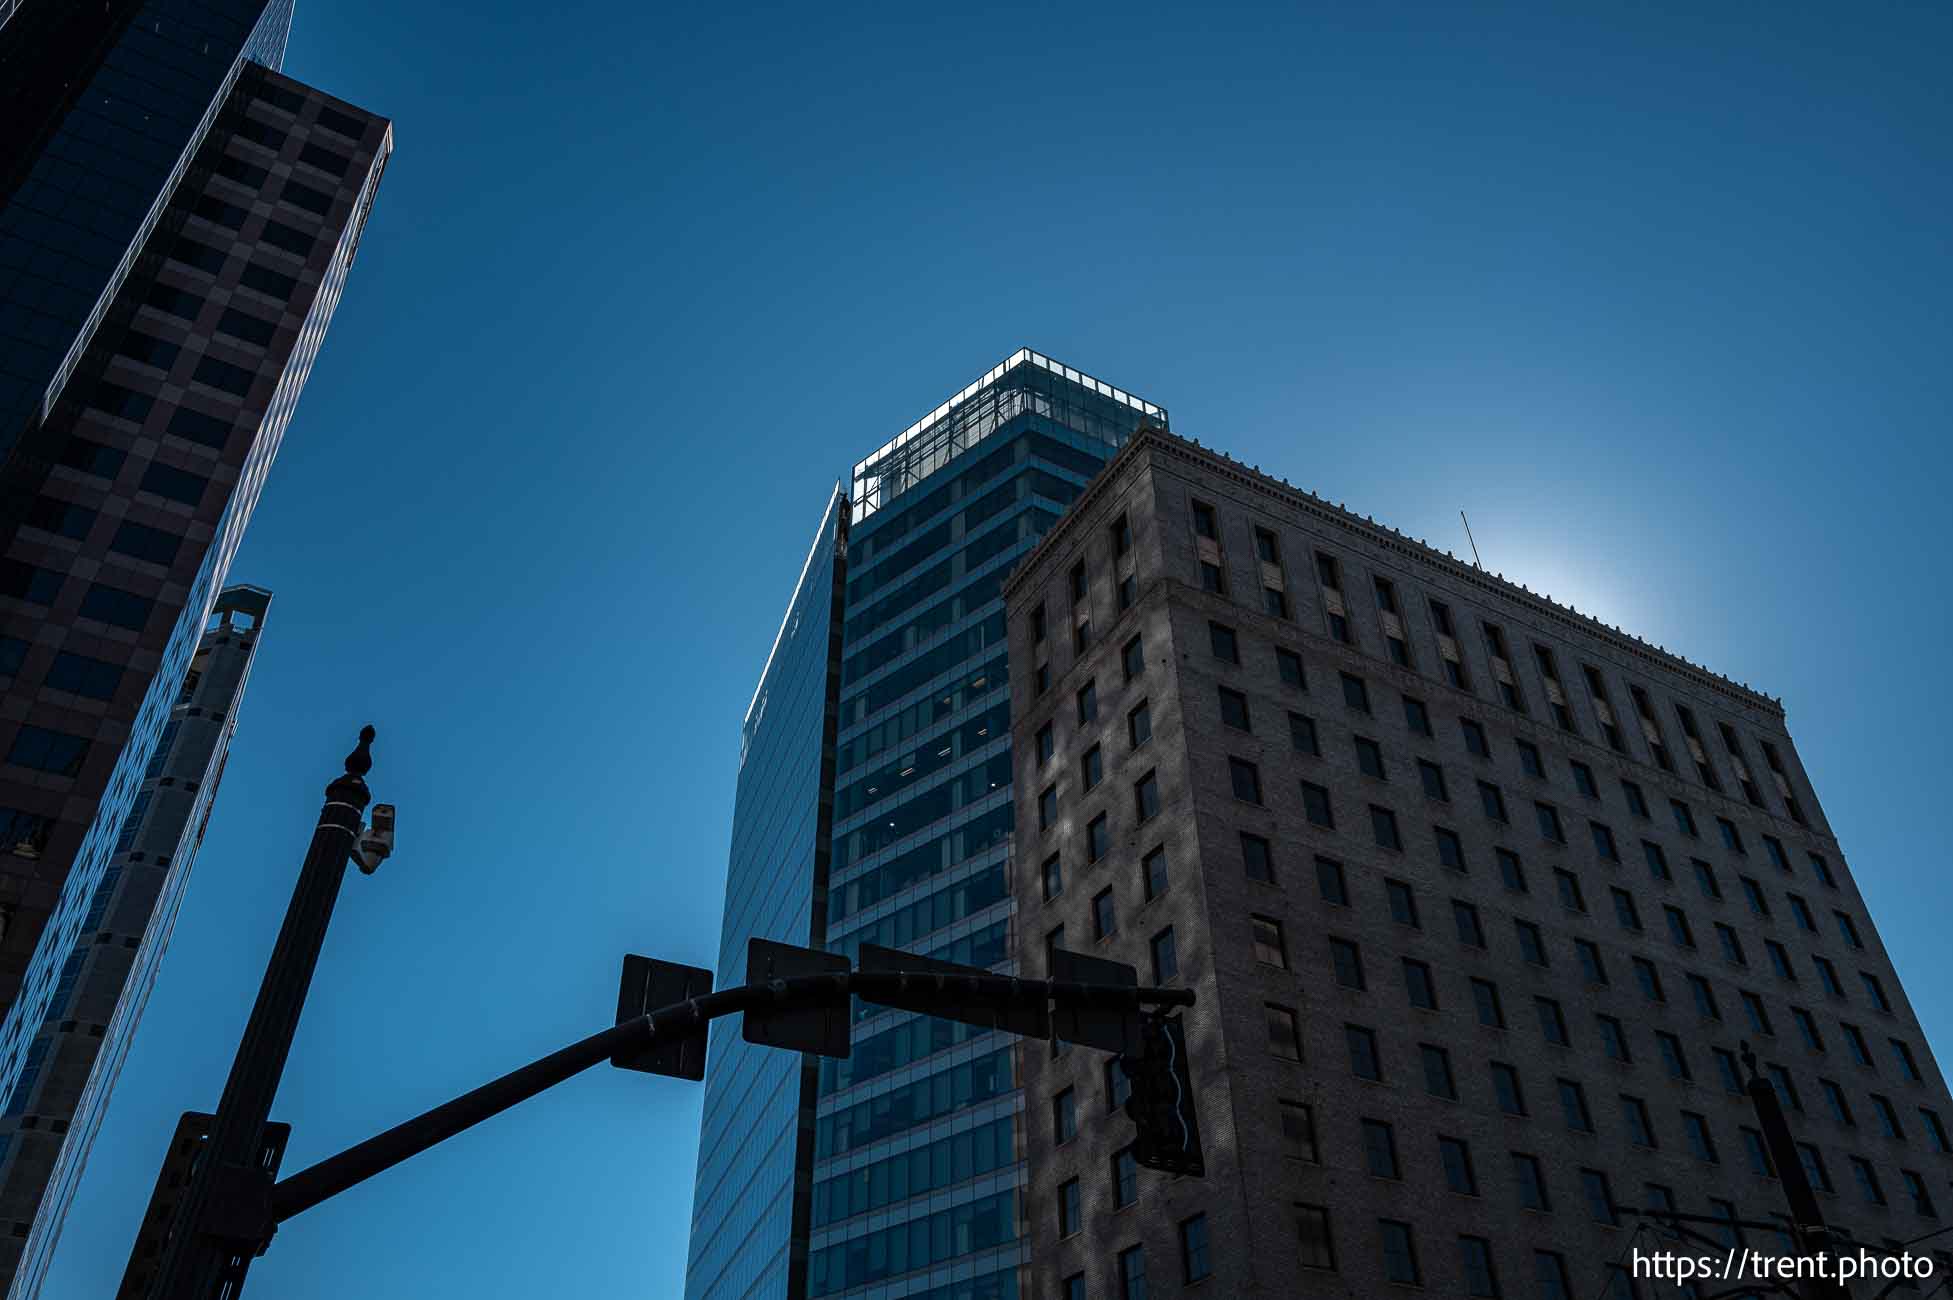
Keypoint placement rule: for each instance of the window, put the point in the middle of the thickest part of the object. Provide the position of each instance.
(49, 751)
(1403, 903)
(1532, 947)
(1315, 806)
(1754, 896)
(1861, 1172)
(1128, 591)
(1245, 778)
(1194, 1261)
(1153, 873)
(1288, 665)
(1270, 949)
(1132, 1273)
(1684, 818)
(1203, 521)
(1625, 911)
(1456, 1159)
(1312, 1231)
(1806, 1028)
(1859, 1052)
(1399, 1253)
(114, 606)
(1648, 979)
(1380, 1149)
(1573, 1107)
(1166, 956)
(1475, 1254)
(1098, 839)
(1088, 703)
(1505, 1086)
(1635, 1111)
(1732, 947)
(1043, 679)
(1549, 1275)
(1780, 960)
(1822, 871)
(1848, 930)
(1529, 759)
(1702, 1145)
(1356, 693)
(1672, 1057)
(1657, 860)
(1732, 839)
(1070, 1210)
(1758, 1017)
(1678, 927)
(1591, 968)
(1512, 873)
(1428, 772)
(1834, 1101)
(1604, 844)
(1568, 886)
(1800, 911)
(1347, 959)
(1888, 1118)
(1417, 717)
(1331, 882)
(1125, 1179)
(1133, 658)
(1705, 879)
(1419, 986)
(1383, 826)
(1047, 743)
(1600, 1197)
(1284, 1031)
(1875, 990)
(1146, 797)
(1299, 1132)
(1234, 710)
(1064, 1116)
(76, 674)
(1364, 1061)
(1302, 734)
(1470, 932)
(1054, 878)
(1274, 601)
(1492, 800)
(1139, 724)
(1437, 1072)
(1583, 779)
(1705, 998)
(1369, 757)
(1475, 740)
(1040, 625)
(1549, 822)
(1105, 920)
(1813, 1163)
(1935, 1130)
(1226, 645)
(1552, 1022)
(1257, 859)
(1091, 768)
(1903, 1055)
(1121, 536)
(1531, 1182)
(1485, 997)
(1451, 850)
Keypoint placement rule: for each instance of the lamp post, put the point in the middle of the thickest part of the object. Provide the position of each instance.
(226, 1215)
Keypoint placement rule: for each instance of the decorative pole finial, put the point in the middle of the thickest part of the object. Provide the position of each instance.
(360, 761)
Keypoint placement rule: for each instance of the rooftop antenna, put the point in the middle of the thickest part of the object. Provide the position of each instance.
(1476, 562)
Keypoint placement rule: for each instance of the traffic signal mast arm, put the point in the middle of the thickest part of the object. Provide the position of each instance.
(305, 1189)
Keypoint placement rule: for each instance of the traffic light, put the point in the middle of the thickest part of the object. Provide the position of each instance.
(1167, 1129)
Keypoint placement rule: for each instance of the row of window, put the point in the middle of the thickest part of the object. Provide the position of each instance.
(101, 602)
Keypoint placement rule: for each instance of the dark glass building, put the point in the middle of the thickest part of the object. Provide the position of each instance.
(133, 470)
(874, 805)
(104, 984)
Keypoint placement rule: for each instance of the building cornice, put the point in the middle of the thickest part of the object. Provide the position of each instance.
(1388, 538)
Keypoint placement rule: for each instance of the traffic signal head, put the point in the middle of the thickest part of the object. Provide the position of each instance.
(1161, 1104)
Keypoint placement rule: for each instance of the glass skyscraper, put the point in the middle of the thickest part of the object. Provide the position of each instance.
(874, 806)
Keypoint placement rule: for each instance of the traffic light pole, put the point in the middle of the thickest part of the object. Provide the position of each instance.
(305, 1189)
(206, 1252)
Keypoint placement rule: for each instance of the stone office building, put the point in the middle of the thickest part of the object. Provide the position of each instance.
(1479, 898)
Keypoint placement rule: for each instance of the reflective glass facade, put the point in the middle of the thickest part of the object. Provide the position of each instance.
(94, 164)
(754, 1140)
(915, 1165)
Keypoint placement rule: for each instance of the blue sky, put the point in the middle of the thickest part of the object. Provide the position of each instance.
(1660, 300)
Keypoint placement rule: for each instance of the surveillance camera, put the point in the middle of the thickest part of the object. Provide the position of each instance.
(376, 841)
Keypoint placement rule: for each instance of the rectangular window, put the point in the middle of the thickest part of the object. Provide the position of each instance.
(1485, 998)
(1257, 859)
(1105, 919)
(1492, 800)
(1673, 1059)
(1234, 710)
(1146, 797)
(1383, 826)
(1505, 1086)
(1091, 767)
(1432, 777)
(1270, 948)
(1625, 911)
(1070, 1208)
(1347, 959)
(1132, 1273)
(1512, 872)
(1317, 1249)
(1098, 839)
(1455, 1158)
(1475, 1257)
(1417, 717)
(1356, 692)
(1403, 903)
(1225, 644)
(1399, 1253)
(1166, 956)
(1315, 806)
(1054, 878)
(1195, 1264)
(1064, 1116)
(1475, 740)
(1139, 724)
(1604, 846)
(1531, 1183)
(1470, 932)
(1125, 1179)
(1153, 873)
(1133, 658)
(1302, 734)
(1380, 1149)
(1369, 758)
(1299, 1132)
(1246, 780)
(1088, 703)
(1552, 1022)
(1438, 1080)
(1419, 987)
(1288, 666)
(1364, 1060)
(1284, 1031)
(1549, 822)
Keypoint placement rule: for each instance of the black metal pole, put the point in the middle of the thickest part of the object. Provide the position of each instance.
(214, 1243)
(1807, 1219)
(306, 1188)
